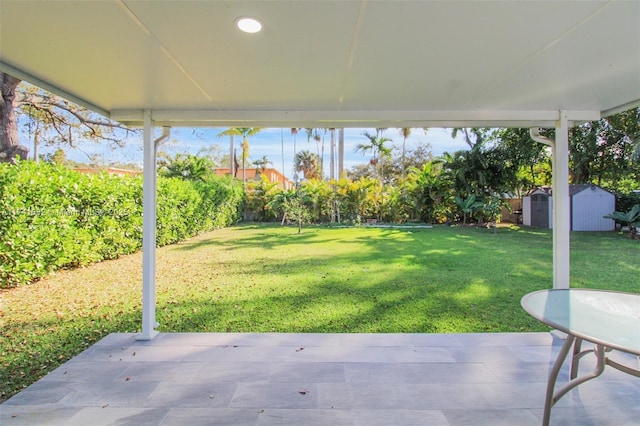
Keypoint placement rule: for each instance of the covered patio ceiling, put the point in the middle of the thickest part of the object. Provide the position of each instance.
(332, 64)
(327, 63)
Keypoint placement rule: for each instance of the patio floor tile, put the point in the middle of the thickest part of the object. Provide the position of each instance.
(321, 379)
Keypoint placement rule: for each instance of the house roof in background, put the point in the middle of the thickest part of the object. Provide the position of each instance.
(330, 63)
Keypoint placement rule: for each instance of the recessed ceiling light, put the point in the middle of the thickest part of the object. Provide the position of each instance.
(248, 25)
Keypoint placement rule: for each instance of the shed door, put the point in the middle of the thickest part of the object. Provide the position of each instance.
(540, 211)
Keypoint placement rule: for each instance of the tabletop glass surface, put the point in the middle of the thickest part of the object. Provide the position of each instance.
(606, 317)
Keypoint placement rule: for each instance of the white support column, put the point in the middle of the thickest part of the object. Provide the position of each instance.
(148, 233)
(561, 205)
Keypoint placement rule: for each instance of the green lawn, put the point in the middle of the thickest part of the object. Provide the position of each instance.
(268, 278)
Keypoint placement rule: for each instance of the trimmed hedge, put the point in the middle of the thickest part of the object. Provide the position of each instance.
(52, 217)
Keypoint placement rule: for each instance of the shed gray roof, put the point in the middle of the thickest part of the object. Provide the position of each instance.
(573, 189)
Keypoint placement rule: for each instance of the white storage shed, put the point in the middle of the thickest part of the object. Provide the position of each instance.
(589, 204)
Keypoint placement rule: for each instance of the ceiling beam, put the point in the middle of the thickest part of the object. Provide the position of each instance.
(346, 119)
(621, 108)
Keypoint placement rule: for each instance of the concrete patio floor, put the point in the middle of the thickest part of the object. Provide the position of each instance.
(320, 379)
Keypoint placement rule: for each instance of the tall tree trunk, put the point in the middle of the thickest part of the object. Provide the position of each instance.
(533, 176)
(245, 144)
(284, 179)
(36, 143)
(340, 153)
(404, 175)
(332, 159)
(10, 146)
(294, 132)
(232, 158)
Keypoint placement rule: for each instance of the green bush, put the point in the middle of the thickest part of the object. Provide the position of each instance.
(222, 199)
(52, 217)
(625, 201)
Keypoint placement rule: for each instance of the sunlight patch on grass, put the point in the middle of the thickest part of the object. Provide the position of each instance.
(266, 278)
(477, 290)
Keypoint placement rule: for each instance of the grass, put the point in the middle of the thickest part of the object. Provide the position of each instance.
(270, 279)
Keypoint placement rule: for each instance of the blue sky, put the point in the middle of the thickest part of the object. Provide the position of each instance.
(267, 142)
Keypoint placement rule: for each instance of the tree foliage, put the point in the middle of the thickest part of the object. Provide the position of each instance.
(468, 206)
(499, 163)
(292, 205)
(604, 151)
(51, 120)
(186, 167)
(244, 133)
(259, 193)
(377, 146)
(309, 164)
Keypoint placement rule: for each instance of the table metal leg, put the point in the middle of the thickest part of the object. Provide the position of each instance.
(551, 397)
(553, 376)
(600, 363)
(575, 361)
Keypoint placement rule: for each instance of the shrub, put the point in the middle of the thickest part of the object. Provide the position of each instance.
(52, 218)
(222, 200)
(625, 201)
(259, 193)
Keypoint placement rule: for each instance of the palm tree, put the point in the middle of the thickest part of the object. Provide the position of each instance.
(405, 132)
(332, 157)
(476, 132)
(280, 201)
(376, 146)
(315, 135)
(380, 131)
(309, 164)
(294, 132)
(428, 190)
(262, 163)
(470, 171)
(318, 194)
(245, 132)
(340, 153)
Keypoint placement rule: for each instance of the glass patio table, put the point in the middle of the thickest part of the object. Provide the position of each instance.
(608, 319)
